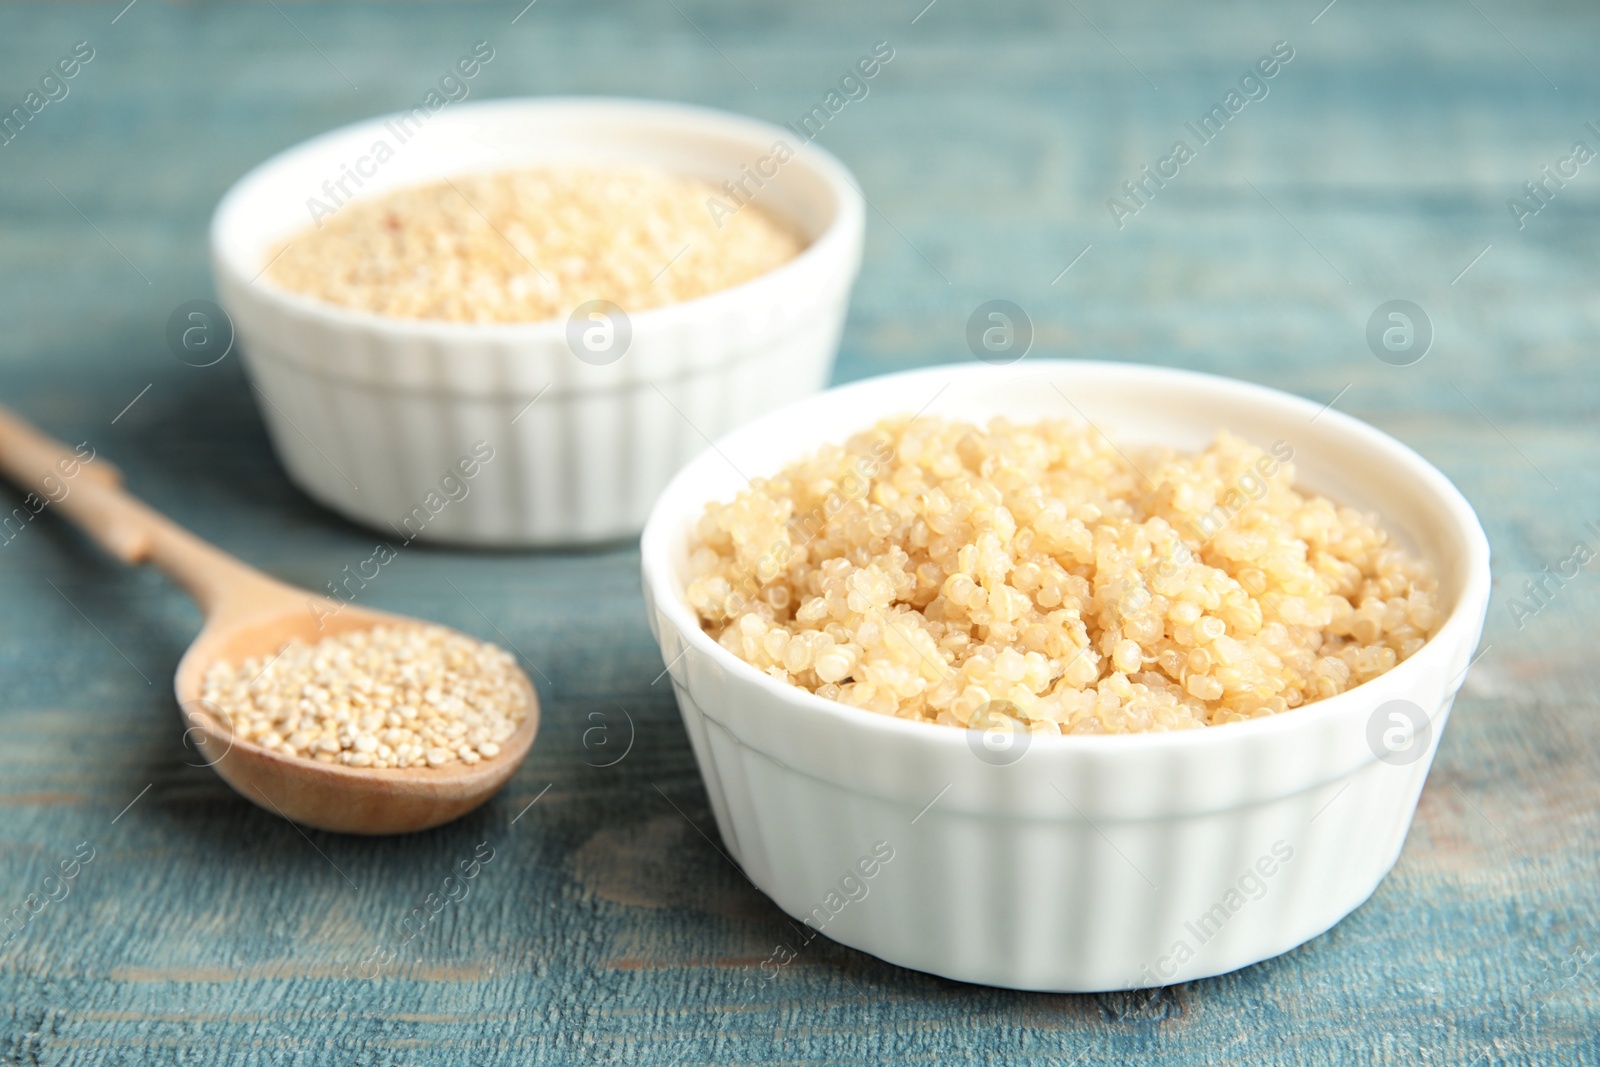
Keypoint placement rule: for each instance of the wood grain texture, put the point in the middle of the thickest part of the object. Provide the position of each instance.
(607, 928)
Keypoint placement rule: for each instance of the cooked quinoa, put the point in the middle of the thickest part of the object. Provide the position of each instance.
(530, 245)
(936, 570)
(392, 696)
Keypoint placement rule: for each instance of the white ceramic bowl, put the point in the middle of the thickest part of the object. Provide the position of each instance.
(370, 414)
(1090, 863)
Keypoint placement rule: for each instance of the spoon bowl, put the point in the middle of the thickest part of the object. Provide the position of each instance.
(250, 615)
(330, 796)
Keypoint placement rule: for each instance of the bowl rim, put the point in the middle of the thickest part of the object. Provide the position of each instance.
(841, 238)
(1471, 600)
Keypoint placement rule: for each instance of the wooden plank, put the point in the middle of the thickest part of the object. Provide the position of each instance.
(606, 928)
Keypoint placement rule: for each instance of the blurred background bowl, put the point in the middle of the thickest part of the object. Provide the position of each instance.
(370, 413)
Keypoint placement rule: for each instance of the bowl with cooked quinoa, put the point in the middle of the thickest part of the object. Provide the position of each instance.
(577, 292)
(1136, 672)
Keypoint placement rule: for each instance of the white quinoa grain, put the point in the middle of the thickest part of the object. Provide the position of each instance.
(418, 686)
(531, 245)
(929, 568)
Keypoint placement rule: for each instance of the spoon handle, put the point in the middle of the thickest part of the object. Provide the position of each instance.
(87, 489)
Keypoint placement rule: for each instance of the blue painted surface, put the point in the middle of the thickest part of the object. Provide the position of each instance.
(606, 928)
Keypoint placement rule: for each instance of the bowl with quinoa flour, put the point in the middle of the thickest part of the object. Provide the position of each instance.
(509, 323)
(1133, 674)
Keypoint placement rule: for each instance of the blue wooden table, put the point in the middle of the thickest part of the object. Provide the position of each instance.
(1384, 161)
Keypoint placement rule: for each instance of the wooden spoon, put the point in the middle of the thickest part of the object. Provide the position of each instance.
(249, 614)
